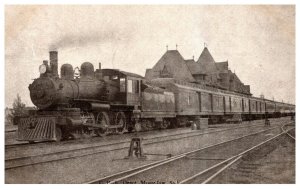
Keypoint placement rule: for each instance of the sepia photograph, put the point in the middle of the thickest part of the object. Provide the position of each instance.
(149, 94)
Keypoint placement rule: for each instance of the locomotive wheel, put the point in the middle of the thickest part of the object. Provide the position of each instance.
(58, 134)
(137, 127)
(147, 125)
(102, 119)
(164, 124)
(121, 120)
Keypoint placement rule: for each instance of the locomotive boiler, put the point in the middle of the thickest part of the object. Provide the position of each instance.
(49, 91)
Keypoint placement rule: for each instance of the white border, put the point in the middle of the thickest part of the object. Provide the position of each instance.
(239, 187)
(166, 2)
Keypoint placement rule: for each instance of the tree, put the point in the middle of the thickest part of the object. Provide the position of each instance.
(18, 109)
(8, 116)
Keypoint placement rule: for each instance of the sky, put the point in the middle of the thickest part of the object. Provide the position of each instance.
(257, 41)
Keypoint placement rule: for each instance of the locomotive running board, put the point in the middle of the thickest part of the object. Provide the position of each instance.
(95, 126)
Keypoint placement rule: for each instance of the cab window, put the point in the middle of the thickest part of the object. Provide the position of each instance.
(129, 86)
(137, 86)
(122, 85)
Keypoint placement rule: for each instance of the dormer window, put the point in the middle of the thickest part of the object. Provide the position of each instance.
(165, 73)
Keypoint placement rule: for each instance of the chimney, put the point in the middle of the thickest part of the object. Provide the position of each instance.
(53, 63)
(99, 65)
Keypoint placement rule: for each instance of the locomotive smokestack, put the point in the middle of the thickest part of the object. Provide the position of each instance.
(53, 63)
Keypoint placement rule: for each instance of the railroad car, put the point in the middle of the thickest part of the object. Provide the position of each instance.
(194, 101)
(270, 107)
(257, 108)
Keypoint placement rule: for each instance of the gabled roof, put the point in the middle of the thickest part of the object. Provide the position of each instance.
(194, 67)
(222, 66)
(173, 62)
(237, 78)
(207, 62)
(208, 68)
(205, 57)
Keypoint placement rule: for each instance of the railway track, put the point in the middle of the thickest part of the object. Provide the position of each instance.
(16, 145)
(97, 139)
(11, 131)
(193, 164)
(208, 175)
(43, 143)
(290, 135)
(287, 132)
(27, 144)
(22, 161)
(271, 163)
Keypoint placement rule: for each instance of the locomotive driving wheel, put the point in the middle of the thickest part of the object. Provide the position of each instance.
(147, 125)
(121, 121)
(164, 124)
(102, 119)
(87, 118)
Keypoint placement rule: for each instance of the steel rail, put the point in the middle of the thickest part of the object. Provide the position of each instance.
(106, 145)
(16, 145)
(286, 131)
(291, 136)
(235, 157)
(212, 127)
(221, 170)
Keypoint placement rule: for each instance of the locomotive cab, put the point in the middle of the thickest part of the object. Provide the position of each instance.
(124, 87)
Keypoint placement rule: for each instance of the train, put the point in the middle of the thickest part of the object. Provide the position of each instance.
(85, 101)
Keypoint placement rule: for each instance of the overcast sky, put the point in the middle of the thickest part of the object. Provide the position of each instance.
(258, 41)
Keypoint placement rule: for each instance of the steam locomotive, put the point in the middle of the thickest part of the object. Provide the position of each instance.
(93, 102)
(85, 101)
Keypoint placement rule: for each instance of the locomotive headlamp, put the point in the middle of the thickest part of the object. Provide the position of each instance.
(42, 69)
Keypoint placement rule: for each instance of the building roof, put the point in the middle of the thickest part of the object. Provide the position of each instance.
(236, 78)
(222, 66)
(131, 74)
(194, 67)
(173, 63)
(173, 66)
(205, 57)
(123, 72)
(208, 68)
(207, 63)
